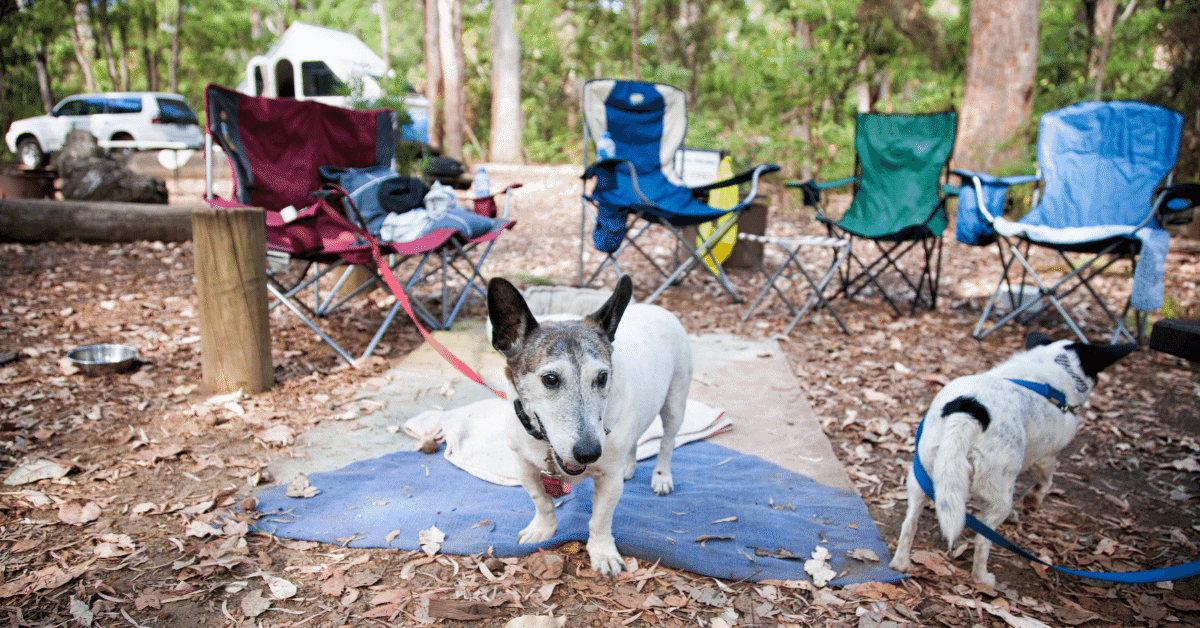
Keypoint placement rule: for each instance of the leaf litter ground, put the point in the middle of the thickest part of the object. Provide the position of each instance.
(132, 506)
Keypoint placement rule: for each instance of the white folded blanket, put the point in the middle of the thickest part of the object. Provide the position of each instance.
(477, 441)
(1147, 292)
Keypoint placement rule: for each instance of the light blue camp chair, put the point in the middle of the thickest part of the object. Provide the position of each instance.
(1104, 189)
(633, 131)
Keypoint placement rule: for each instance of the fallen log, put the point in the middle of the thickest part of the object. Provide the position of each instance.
(37, 220)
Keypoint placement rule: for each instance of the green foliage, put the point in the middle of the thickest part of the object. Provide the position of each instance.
(768, 81)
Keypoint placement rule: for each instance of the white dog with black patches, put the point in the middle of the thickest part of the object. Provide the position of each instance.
(586, 391)
(983, 430)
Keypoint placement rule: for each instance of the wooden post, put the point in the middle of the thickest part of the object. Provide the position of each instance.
(231, 295)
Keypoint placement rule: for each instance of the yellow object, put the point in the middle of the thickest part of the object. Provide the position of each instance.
(721, 198)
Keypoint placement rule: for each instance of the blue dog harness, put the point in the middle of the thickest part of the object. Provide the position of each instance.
(1052, 394)
(1134, 577)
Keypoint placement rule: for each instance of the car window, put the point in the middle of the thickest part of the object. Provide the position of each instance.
(319, 80)
(70, 108)
(125, 104)
(92, 105)
(176, 110)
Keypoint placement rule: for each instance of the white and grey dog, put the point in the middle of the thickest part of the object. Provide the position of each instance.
(586, 391)
(983, 430)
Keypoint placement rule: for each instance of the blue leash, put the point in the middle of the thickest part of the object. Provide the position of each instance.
(1164, 574)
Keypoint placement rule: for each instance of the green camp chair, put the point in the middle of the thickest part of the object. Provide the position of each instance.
(899, 202)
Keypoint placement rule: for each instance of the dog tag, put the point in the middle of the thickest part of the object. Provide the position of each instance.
(555, 487)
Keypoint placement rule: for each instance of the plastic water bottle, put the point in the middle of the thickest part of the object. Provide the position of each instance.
(483, 187)
(606, 148)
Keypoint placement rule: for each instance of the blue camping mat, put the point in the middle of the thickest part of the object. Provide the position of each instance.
(725, 506)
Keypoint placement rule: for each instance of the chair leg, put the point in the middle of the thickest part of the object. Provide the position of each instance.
(290, 305)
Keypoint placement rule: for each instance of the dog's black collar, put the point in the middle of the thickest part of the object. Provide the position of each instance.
(526, 422)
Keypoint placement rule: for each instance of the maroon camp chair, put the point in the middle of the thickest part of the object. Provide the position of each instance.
(275, 148)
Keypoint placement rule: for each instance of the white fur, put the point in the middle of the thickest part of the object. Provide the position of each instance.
(650, 374)
(1025, 432)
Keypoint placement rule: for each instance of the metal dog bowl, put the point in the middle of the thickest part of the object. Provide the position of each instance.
(101, 359)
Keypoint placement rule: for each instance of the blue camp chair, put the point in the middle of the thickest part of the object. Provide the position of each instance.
(1103, 191)
(633, 131)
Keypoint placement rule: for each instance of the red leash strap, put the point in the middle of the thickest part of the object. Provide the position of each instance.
(390, 279)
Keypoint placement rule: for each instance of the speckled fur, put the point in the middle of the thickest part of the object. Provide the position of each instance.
(613, 372)
(982, 431)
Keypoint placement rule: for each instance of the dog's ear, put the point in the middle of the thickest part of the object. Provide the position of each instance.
(511, 319)
(1096, 358)
(1036, 339)
(609, 314)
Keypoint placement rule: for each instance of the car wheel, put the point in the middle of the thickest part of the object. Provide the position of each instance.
(30, 153)
(122, 153)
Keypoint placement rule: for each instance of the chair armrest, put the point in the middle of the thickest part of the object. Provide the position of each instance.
(605, 173)
(822, 186)
(991, 205)
(738, 179)
(812, 189)
(1178, 198)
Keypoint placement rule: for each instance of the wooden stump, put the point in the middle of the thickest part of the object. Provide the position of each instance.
(231, 294)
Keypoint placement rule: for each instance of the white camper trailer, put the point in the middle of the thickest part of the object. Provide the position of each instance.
(311, 62)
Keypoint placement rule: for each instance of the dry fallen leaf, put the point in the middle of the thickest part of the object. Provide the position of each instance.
(282, 435)
(281, 589)
(818, 567)
(431, 540)
(300, 488)
(545, 566)
(254, 604)
(864, 555)
(536, 621)
(74, 513)
(81, 612)
(933, 562)
(36, 470)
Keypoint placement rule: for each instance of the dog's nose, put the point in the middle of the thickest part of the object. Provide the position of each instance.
(586, 451)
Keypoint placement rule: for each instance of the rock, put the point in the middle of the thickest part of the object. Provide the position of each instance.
(88, 174)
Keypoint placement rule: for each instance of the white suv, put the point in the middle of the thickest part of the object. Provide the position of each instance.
(121, 121)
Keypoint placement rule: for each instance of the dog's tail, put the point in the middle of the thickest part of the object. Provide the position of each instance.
(965, 419)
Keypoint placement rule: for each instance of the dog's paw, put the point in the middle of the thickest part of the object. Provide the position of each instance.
(1030, 502)
(662, 483)
(985, 578)
(901, 563)
(606, 561)
(537, 531)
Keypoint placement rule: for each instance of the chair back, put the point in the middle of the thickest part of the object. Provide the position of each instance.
(275, 146)
(647, 122)
(901, 158)
(1101, 162)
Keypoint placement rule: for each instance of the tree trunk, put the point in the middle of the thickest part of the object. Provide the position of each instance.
(106, 43)
(450, 43)
(123, 70)
(43, 77)
(507, 122)
(1102, 31)
(433, 73)
(1002, 54)
(635, 37)
(38, 220)
(83, 39)
(173, 81)
(862, 88)
(384, 45)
